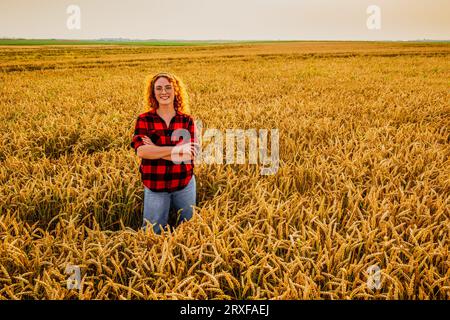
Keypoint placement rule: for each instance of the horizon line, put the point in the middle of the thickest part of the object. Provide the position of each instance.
(237, 40)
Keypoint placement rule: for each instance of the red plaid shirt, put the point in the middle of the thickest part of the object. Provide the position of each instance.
(161, 175)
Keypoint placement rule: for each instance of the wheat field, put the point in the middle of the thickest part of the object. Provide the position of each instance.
(363, 178)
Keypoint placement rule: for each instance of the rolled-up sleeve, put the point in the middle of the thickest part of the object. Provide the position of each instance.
(140, 131)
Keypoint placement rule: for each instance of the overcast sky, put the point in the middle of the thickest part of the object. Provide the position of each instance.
(227, 19)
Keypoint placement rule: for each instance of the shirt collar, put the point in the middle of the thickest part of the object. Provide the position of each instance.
(153, 111)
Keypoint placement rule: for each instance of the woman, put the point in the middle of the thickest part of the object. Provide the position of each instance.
(164, 138)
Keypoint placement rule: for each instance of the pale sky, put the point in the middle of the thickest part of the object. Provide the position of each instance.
(227, 19)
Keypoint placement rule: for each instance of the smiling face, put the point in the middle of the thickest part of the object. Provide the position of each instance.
(164, 92)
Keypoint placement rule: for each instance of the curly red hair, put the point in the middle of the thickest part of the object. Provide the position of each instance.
(180, 103)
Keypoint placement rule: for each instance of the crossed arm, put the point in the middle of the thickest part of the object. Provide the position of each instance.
(149, 150)
(146, 149)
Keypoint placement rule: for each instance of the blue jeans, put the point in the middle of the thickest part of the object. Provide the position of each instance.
(158, 204)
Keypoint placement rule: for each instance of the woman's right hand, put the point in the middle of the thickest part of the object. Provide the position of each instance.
(147, 140)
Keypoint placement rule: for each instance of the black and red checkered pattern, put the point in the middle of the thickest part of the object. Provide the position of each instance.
(161, 175)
